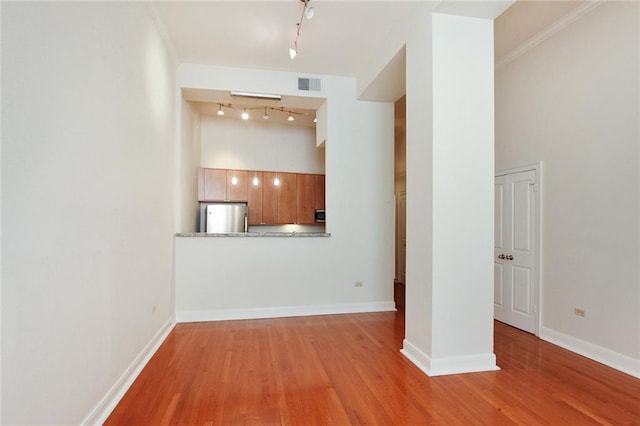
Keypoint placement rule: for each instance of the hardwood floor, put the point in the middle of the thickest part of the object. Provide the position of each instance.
(347, 369)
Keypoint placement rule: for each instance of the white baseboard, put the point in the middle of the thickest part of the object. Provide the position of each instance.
(452, 365)
(282, 311)
(103, 409)
(605, 356)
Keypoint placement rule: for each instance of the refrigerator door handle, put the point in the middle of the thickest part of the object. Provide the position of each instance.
(246, 223)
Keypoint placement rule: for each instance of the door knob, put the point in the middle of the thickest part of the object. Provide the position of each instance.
(502, 256)
(509, 257)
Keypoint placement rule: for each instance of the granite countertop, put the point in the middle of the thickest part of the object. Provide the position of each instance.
(254, 234)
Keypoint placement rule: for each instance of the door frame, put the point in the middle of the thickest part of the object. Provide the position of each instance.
(537, 282)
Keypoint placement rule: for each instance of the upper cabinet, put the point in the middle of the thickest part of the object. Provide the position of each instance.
(236, 185)
(254, 198)
(269, 199)
(306, 198)
(287, 198)
(222, 185)
(212, 185)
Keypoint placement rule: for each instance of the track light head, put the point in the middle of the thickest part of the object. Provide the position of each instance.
(309, 12)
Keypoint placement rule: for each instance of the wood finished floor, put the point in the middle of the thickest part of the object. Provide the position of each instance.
(347, 369)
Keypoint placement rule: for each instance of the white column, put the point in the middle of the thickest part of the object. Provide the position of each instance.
(450, 168)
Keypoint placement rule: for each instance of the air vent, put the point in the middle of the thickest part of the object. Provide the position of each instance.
(309, 84)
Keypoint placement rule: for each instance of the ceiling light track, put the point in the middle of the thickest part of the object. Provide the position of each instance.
(245, 114)
(307, 11)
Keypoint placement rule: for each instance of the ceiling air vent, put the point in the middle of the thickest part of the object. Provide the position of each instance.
(309, 84)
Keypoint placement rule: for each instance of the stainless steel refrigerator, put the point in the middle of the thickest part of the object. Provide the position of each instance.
(223, 217)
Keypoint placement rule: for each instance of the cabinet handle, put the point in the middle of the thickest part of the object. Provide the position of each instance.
(509, 257)
(502, 256)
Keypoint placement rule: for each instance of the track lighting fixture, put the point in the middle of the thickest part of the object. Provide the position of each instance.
(290, 114)
(307, 11)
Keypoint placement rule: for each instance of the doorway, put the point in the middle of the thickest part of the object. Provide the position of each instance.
(517, 247)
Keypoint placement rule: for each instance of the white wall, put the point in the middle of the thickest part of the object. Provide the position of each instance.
(463, 161)
(215, 275)
(190, 157)
(572, 102)
(87, 202)
(449, 194)
(419, 151)
(258, 145)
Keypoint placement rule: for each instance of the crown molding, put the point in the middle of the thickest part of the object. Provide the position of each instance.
(552, 29)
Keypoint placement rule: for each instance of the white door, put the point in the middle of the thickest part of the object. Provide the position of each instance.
(515, 254)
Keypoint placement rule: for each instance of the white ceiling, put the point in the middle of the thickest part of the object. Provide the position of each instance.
(258, 34)
(525, 19)
(338, 40)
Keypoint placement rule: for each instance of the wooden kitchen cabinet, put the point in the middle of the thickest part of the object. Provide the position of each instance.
(293, 201)
(212, 184)
(319, 192)
(237, 191)
(305, 198)
(269, 199)
(254, 198)
(287, 198)
(279, 202)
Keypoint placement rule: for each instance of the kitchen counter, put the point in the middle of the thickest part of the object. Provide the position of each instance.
(254, 234)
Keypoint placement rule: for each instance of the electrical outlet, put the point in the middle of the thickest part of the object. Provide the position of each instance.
(359, 284)
(579, 312)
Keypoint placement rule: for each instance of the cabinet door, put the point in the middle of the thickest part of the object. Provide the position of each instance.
(254, 198)
(212, 185)
(319, 204)
(237, 191)
(269, 199)
(305, 212)
(287, 198)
